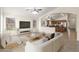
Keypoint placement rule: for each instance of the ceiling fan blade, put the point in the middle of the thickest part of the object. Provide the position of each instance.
(40, 9)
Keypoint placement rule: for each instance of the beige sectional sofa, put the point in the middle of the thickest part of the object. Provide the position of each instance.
(52, 45)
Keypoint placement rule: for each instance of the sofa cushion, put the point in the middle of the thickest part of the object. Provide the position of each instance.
(52, 35)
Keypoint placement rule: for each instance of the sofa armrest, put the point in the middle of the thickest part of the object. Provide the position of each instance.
(53, 44)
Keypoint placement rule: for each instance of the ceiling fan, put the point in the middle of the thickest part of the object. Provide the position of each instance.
(34, 10)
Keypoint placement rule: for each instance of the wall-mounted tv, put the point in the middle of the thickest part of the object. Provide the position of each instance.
(24, 24)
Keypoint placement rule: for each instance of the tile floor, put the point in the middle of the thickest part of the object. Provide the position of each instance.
(71, 45)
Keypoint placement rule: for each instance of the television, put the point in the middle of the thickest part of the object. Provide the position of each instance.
(24, 24)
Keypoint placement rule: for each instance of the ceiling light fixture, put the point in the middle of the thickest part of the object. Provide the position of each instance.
(35, 12)
(50, 18)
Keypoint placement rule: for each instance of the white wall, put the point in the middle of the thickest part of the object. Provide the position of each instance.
(18, 17)
(0, 20)
(65, 10)
(72, 21)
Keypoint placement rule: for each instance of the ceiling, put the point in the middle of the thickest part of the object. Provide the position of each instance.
(22, 11)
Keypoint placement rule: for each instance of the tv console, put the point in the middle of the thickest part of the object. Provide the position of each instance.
(24, 31)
